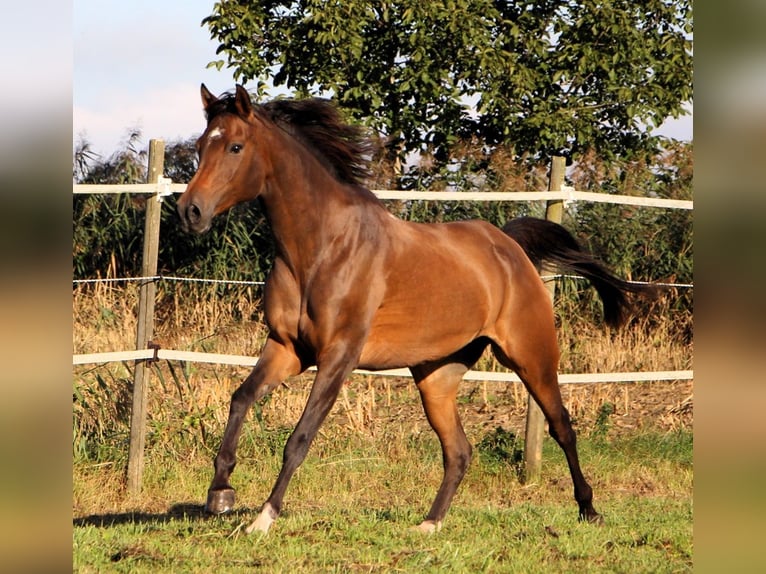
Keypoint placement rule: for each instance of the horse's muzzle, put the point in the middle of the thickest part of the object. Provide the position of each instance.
(193, 214)
(192, 217)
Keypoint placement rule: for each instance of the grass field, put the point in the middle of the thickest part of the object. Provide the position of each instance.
(351, 506)
(366, 482)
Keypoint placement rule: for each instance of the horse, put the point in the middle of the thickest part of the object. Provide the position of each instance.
(353, 286)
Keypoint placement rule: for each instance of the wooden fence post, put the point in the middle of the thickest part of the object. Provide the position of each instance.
(147, 291)
(535, 427)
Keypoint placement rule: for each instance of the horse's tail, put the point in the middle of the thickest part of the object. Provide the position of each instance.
(548, 242)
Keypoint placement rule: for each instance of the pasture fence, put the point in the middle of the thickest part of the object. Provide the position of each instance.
(146, 351)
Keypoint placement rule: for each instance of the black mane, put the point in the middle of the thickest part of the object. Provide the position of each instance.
(342, 148)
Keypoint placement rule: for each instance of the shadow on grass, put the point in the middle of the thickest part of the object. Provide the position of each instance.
(181, 511)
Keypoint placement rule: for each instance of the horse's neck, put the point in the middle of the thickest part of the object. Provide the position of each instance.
(302, 209)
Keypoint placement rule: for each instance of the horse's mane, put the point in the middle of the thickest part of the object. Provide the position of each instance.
(342, 148)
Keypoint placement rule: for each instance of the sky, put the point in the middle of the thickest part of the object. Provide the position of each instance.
(140, 64)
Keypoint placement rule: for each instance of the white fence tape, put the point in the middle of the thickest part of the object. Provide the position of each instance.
(245, 361)
(164, 188)
(567, 195)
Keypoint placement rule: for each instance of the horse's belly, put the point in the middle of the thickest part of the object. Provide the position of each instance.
(410, 337)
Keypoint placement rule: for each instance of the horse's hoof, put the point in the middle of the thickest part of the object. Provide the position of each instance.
(592, 517)
(265, 519)
(598, 520)
(219, 501)
(428, 527)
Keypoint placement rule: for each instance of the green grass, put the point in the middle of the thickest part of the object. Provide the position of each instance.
(529, 538)
(351, 505)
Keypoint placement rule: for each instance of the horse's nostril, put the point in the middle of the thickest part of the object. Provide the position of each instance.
(193, 214)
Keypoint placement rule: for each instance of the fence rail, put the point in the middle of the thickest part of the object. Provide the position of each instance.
(164, 188)
(153, 354)
(161, 187)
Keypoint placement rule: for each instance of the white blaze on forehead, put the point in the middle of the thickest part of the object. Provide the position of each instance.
(215, 133)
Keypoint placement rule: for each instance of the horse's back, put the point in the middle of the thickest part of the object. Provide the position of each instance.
(474, 250)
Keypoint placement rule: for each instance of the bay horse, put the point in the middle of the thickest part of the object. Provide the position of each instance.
(352, 286)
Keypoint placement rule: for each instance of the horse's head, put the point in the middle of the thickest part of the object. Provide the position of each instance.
(233, 163)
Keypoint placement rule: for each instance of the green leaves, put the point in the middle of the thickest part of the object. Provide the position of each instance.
(553, 78)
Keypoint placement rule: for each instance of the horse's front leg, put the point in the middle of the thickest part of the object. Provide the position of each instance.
(331, 373)
(276, 363)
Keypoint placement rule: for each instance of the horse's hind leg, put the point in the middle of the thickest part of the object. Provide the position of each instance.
(276, 364)
(438, 391)
(533, 353)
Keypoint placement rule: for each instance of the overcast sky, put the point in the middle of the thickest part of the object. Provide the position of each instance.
(140, 64)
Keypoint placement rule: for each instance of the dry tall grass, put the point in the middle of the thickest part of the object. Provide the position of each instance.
(190, 401)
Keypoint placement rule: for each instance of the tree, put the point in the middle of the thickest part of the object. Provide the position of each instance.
(181, 160)
(545, 76)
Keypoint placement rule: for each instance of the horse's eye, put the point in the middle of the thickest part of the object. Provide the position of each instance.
(235, 148)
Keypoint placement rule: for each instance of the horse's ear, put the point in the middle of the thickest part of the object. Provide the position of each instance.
(242, 102)
(207, 98)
